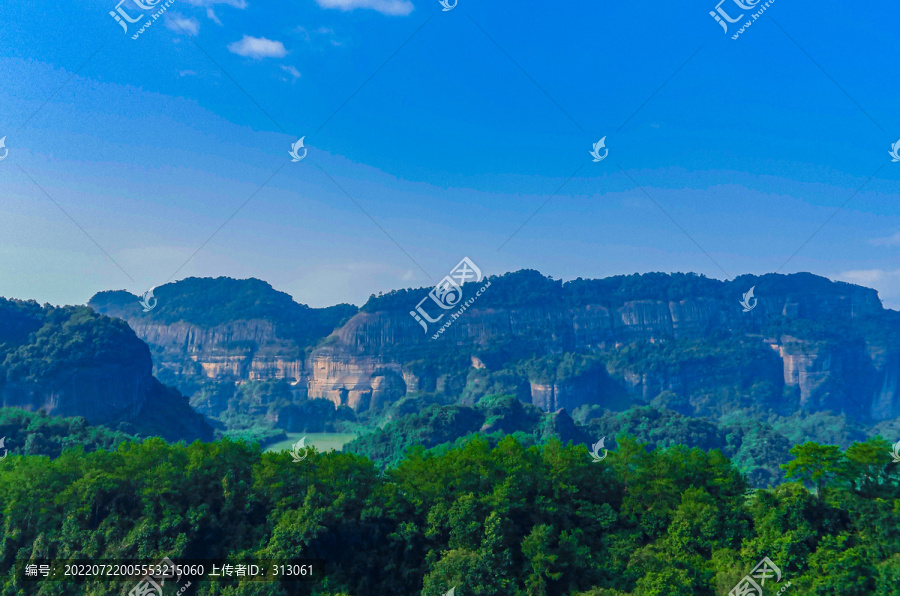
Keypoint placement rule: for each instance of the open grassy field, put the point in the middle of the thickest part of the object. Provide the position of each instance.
(321, 441)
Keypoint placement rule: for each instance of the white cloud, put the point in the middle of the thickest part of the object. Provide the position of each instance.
(291, 71)
(886, 281)
(211, 15)
(389, 7)
(890, 241)
(258, 47)
(866, 277)
(186, 73)
(180, 24)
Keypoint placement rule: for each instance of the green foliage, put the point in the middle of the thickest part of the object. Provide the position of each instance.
(819, 427)
(659, 428)
(433, 426)
(503, 520)
(62, 356)
(42, 344)
(716, 375)
(257, 434)
(445, 426)
(35, 433)
(528, 288)
(814, 463)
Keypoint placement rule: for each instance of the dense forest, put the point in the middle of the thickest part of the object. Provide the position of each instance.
(479, 480)
(501, 520)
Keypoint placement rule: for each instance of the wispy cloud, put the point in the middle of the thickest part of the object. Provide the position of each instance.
(317, 37)
(258, 47)
(291, 71)
(886, 281)
(389, 7)
(209, 4)
(889, 241)
(186, 73)
(181, 24)
(211, 15)
(867, 277)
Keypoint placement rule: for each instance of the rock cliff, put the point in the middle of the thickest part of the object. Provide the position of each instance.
(225, 329)
(856, 376)
(828, 345)
(70, 361)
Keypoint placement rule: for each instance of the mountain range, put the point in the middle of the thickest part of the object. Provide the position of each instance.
(702, 357)
(808, 344)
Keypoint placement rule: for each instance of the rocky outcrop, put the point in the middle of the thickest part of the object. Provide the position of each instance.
(837, 377)
(597, 326)
(568, 393)
(360, 383)
(841, 379)
(241, 350)
(78, 363)
(886, 397)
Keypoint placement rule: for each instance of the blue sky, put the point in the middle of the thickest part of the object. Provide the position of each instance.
(448, 130)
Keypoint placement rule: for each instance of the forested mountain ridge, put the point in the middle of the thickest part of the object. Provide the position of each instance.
(680, 342)
(830, 345)
(71, 361)
(225, 328)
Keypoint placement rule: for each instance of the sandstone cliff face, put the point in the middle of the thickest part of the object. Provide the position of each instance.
(845, 379)
(360, 383)
(364, 363)
(838, 378)
(886, 397)
(597, 326)
(242, 350)
(567, 394)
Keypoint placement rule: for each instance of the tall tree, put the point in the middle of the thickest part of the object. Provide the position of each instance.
(815, 463)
